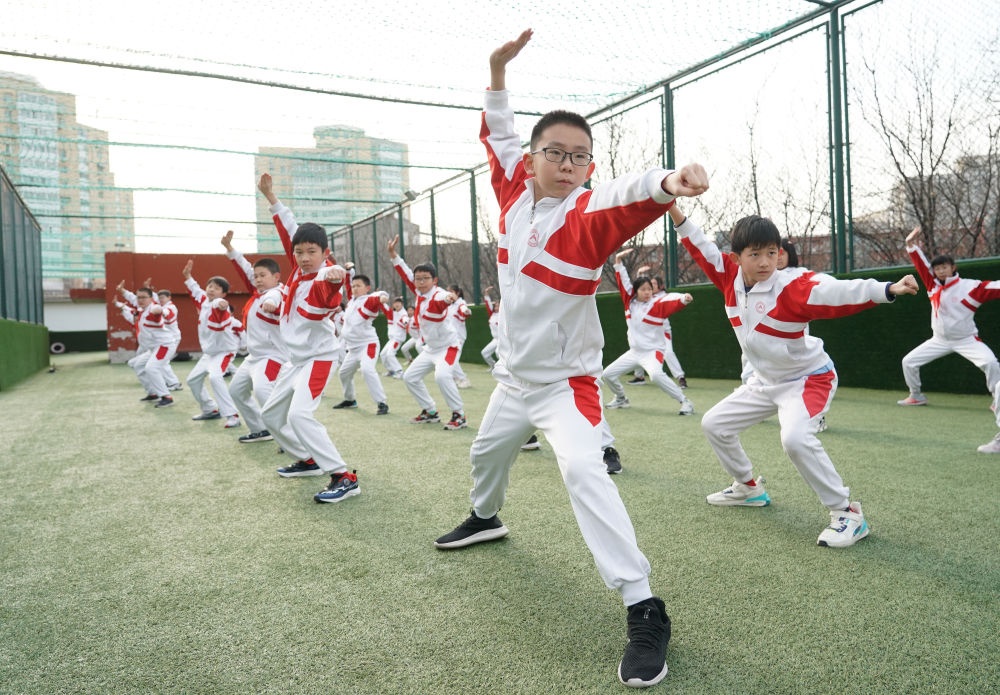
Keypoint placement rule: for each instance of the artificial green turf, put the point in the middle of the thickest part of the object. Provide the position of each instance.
(144, 552)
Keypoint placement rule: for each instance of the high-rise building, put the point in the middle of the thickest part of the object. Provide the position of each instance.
(346, 177)
(61, 170)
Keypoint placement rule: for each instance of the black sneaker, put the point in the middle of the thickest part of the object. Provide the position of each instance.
(612, 460)
(300, 469)
(150, 397)
(636, 381)
(342, 486)
(532, 444)
(682, 382)
(383, 409)
(457, 422)
(471, 531)
(644, 662)
(262, 436)
(164, 402)
(345, 404)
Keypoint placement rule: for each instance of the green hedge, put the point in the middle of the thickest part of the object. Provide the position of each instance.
(24, 350)
(866, 348)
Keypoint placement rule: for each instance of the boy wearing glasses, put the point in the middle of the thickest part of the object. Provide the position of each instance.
(555, 236)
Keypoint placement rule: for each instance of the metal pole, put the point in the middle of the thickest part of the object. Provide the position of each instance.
(434, 243)
(670, 263)
(476, 280)
(838, 211)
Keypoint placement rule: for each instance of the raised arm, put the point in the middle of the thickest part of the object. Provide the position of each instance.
(919, 260)
(242, 264)
(622, 279)
(400, 265)
(284, 220)
(503, 55)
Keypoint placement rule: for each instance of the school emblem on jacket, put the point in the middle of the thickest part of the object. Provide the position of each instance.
(760, 307)
(533, 238)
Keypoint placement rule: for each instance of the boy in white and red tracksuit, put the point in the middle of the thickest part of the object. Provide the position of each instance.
(792, 374)
(138, 310)
(646, 341)
(311, 296)
(170, 321)
(432, 317)
(397, 322)
(460, 312)
(254, 381)
(555, 236)
(219, 335)
(361, 343)
(954, 302)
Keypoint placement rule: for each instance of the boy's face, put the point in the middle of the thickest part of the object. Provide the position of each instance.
(143, 299)
(644, 292)
(164, 298)
(558, 179)
(264, 279)
(214, 291)
(423, 281)
(359, 288)
(397, 306)
(943, 271)
(310, 256)
(757, 263)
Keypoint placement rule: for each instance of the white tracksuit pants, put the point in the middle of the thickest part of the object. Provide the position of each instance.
(212, 367)
(442, 361)
(489, 353)
(652, 362)
(799, 404)
(570, 416)
(288, 414)
(251, 386)
(388, 357)
(363, 357)
(971, 348)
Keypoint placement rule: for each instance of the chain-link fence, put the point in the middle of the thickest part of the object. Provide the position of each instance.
(20, 257)
(848, 123)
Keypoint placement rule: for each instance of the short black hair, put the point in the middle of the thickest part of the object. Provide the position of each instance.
(942, 259)
(144, 290)
(400, 300)
(164, 293)
(793, 255)
(560, 116)
(311, 233)
(269, 263)
(754, 231)
(363, 278)
(220, 281)
(426, 268)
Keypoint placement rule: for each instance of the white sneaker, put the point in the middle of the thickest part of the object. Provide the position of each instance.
(993, 447)
(846, 528)
(741, 495)
(687, 407)
(232, 421)
(821, 425)
(463, 383)
(619, 402)
(913, 399)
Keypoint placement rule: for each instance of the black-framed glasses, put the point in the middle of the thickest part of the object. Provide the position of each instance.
(557, 155)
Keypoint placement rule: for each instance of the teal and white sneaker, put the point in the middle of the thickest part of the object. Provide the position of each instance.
(846, 528)
(740, 495)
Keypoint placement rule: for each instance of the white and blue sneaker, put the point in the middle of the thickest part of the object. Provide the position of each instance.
(846, 528)
(342, 486)
(740, 495)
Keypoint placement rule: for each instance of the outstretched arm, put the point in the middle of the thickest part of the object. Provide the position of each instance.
(266, 186)
(503, 55)
(906, 285)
